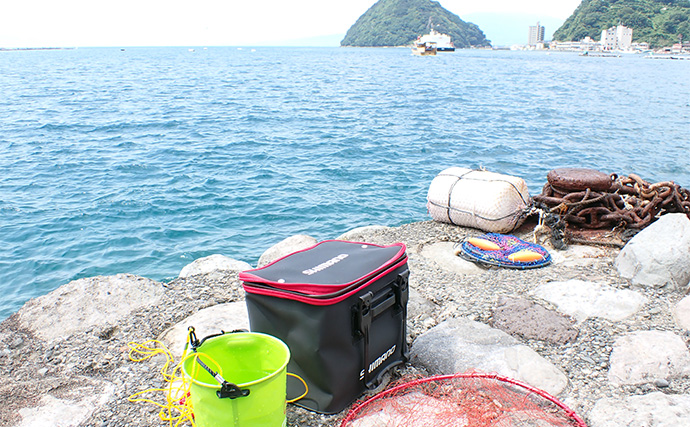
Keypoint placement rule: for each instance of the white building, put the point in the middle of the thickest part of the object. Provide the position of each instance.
(586, 44)
(616, 38)
(536, 35)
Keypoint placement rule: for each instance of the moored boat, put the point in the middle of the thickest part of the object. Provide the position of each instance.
(424, 48)
(600, 54)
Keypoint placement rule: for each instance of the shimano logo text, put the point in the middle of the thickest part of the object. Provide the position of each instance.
(382, 358)
(325, 265)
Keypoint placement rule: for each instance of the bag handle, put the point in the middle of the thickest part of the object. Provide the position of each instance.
(368, 309)
(227, 389)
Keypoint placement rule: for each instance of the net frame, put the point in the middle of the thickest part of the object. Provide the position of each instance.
(568, 415)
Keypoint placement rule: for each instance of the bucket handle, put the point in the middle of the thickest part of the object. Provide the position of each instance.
(227, 389)
(195, 343)
(306, 388)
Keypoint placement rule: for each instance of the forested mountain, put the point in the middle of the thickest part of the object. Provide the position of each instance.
(658, 22)
(400, 22)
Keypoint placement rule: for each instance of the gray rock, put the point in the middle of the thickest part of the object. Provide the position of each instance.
(286, 247)
(651, 410)
(418, 306)
(443, 254)
(659, 255)
(87, 303)
(211, 320)
(519, 316)
(578, 255)
(213, 263)
(436, 294)
(661, 382)
(359, 234)
(70, 408)
(582, 300)
(682, 313)
(461, 345)
(643, 356)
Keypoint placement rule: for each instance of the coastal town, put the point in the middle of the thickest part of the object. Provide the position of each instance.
(614, 41)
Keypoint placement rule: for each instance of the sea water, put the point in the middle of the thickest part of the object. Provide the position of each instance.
(141, 160)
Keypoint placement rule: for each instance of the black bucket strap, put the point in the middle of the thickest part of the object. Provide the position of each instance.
(227, 389)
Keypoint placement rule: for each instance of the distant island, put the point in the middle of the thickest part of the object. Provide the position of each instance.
(400, 22)
(657, 22)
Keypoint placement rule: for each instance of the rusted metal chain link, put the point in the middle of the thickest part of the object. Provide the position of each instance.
(630, 203)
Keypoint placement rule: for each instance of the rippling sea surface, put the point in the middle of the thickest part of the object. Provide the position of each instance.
(145, 159)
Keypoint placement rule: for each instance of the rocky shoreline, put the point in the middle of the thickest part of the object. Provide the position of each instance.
(614, 351)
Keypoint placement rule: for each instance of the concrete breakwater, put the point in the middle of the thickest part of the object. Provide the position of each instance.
(604, 330)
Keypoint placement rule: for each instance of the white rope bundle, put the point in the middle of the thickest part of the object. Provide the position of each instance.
(480, 199)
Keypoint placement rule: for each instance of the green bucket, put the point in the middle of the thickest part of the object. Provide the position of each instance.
(254, 362)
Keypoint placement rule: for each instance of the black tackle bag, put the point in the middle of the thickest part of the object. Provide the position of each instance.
(341, 307)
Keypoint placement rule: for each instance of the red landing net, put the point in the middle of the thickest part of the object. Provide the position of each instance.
(462, 400)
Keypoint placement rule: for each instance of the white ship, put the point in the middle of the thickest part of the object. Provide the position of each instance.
(442, 41)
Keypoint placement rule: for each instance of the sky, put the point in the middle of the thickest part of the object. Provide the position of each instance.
(84, 23)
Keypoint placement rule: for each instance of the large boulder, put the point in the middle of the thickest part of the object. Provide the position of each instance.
(659, 256)
(211, 320)
(358, 234)
(285, 247)
(213, 263)
(86, 303)
(68, 407)
(461, 345)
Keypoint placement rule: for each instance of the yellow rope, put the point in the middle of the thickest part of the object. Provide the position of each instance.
(177, 407)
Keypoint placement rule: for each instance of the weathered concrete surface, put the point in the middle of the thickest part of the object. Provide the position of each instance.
(644, 356)
(519, 316)
(651, 410)
(581, 299)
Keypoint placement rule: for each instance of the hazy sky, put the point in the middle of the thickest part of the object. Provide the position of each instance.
(38, 23)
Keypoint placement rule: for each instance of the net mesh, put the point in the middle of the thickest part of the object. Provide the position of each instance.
(462, 400)
(510, 245)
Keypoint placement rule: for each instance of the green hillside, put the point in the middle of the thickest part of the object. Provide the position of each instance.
(658, 22)
(400, 22)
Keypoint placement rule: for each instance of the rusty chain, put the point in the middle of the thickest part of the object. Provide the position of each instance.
(630, 203)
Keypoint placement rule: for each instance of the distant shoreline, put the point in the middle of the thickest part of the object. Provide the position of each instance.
(7, 49)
